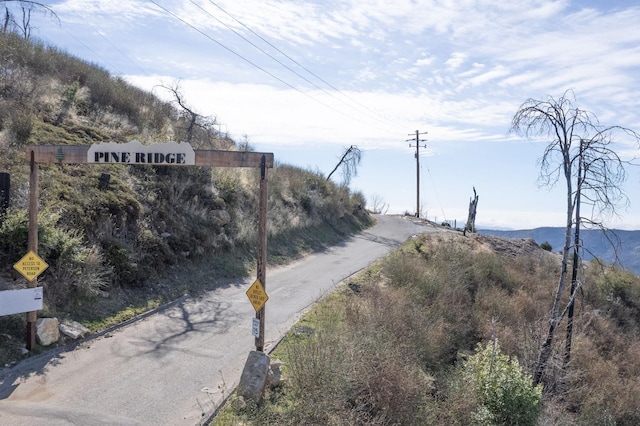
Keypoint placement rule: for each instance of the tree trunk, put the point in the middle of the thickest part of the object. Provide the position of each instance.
(554, 321)
(471, 219)
(575, 267)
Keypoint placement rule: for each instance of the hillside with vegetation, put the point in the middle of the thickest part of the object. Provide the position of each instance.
(446, 330)
(149, 233)
(610, 246)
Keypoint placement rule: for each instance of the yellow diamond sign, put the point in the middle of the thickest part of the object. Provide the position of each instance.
(31, 266)
(257, 296)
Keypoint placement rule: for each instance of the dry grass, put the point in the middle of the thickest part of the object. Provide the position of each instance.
(150, 224)
(386, 348)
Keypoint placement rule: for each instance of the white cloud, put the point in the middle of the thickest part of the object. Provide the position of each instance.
(456, 60)
(495, 73)
(423, 62)
(457, 69)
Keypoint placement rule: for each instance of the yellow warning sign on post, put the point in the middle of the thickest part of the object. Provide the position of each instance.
(31, 266)
(257, 296)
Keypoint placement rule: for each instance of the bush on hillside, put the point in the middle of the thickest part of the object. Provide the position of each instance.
(76, 271)
(128, 233)
(421, 323)
(505, 393)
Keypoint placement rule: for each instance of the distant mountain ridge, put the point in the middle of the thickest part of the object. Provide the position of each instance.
(595, 243)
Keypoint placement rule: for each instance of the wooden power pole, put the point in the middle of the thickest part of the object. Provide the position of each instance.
(417, 154)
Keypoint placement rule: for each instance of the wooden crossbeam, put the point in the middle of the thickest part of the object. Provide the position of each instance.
(77, 154)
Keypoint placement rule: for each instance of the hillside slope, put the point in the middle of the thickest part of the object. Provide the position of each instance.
(394, 345)
(116, 235)
(623, 246)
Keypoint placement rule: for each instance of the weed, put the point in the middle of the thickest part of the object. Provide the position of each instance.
(386, 348)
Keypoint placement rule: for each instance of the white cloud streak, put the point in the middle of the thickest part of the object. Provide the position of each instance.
(459, 69)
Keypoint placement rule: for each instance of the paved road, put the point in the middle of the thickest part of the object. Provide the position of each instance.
(175, 366)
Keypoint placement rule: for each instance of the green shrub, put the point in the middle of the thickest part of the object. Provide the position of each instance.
(21, 127)
(618, 291)
(14, 233)
(76, 272)
(505, 393)
(119, 258)
(546, 246)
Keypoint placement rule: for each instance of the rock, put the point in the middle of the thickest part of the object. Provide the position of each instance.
(239, 404)
(254, 376)
(275, 375)
(47, 331)
(220, 217)
(73, 329)
(165, 235)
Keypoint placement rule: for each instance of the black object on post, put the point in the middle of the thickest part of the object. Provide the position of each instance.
(5, 189)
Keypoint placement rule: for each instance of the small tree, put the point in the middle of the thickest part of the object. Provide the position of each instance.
(194, 120)
(378, 205)
(503, 389)
(580, 150)
(24, 27)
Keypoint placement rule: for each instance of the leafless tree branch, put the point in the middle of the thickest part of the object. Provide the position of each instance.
(349, 162)
(580, 150)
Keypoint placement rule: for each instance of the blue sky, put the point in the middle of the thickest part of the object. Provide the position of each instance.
(307, 79)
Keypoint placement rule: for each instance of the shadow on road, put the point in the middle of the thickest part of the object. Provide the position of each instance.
(389, 242)
(40, 364)
(178, 324)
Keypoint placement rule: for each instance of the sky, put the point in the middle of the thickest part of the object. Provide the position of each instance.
(307, 79)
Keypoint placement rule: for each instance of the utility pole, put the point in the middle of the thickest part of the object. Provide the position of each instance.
(417, 154)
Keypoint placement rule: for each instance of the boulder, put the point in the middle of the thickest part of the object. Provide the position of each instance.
(254, 376)
(220, 217)
(47, 331)
(73, 329)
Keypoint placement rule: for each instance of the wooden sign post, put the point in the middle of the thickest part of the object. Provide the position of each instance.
(33, 242)
(166, 154)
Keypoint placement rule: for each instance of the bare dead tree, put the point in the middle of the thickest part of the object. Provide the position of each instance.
(24, 27)
(378, 205)
(26, 23)
(193, 119)
(473, 207)
(349, 162)
(579, 150)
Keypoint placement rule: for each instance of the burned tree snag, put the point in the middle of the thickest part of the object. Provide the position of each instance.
(473, 205)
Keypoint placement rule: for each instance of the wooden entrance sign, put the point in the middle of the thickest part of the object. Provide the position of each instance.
(134, 153)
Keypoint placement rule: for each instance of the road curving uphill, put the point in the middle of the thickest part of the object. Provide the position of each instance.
(176, 366)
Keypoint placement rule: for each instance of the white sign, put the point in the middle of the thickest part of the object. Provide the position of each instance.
(134, 152)
(255, 327)
(19, 301)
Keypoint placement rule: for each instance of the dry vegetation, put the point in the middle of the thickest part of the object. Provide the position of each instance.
(391, 347)
(145, 237)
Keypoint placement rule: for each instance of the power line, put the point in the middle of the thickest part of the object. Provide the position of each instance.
(258, 47)
(116, 47)
(435, 189)
(253, 63)
(228, 49)
(295, 62)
